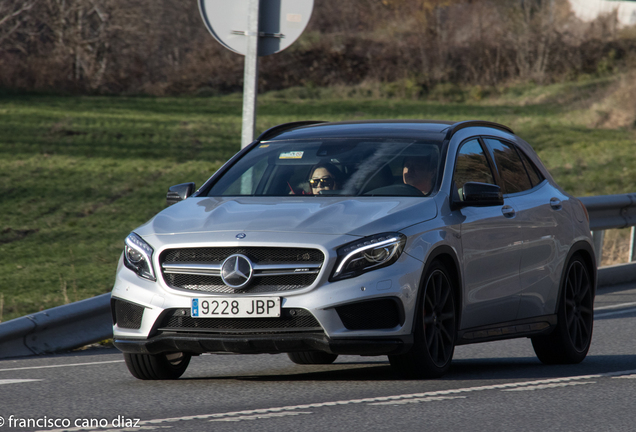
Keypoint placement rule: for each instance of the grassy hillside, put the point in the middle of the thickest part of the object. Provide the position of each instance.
(79, 173)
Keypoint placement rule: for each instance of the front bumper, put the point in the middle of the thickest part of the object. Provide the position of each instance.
(197, 343)
(398, 281)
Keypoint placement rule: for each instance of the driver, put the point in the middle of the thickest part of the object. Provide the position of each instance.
(324, 176)
(420, 172)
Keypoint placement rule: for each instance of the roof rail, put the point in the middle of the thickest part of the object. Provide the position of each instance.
(272, 132)
(472, 123)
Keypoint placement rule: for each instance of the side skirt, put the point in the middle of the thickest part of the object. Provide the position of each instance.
(508, 330)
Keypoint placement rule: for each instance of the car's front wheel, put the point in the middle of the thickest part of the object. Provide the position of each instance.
(312, 357)
(570, 341)
(435, 330)
(157, 367)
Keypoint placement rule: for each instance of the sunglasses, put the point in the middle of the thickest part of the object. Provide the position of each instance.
(321, 182)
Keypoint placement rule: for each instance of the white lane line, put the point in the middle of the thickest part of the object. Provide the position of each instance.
(17, 381)
(620, 312)
(616, 306)
(632, 376)
(260, 416)
(549, 386)
(367, 400)
(418, 400)
(134, 429)
(61, 365)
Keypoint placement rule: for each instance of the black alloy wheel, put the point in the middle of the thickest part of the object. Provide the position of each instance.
(439, 318)
(571, 339)
(435, 331)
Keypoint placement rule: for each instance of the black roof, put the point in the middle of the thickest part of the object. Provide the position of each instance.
(414, 129)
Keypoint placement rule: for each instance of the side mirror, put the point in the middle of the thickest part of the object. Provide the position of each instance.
(179, 193)
(475, 194)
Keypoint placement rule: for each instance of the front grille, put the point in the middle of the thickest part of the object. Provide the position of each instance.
(260, 255)
(259, 285)
(371, 315)
(290, 320)
(127, 315)
(295, 258)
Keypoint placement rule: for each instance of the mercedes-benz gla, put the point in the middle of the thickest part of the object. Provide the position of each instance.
(398, 238)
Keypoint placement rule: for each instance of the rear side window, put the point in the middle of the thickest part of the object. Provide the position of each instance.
(472, 165)
(533, 172)
(511, 170)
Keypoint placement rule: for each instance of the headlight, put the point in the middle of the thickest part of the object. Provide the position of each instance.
(138, 256)
(367, 254)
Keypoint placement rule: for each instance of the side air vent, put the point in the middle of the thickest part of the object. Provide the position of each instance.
(127, 315)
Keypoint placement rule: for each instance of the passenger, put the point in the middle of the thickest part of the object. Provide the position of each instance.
(420, 172)
(324, 176)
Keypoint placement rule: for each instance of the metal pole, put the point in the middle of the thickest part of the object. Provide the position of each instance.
(632, 246)
(250, 84)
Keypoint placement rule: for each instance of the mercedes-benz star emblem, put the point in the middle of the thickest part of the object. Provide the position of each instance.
(240, 236)
(236, 271)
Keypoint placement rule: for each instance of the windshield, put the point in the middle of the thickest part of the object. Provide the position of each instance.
(328, 167)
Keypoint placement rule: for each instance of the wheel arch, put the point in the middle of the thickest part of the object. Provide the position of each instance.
(448, 257)
(586, 252)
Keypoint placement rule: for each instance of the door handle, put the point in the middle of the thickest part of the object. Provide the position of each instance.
(508, 211)
(555, 203)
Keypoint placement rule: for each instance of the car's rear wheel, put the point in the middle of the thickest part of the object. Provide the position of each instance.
(312, 357)
(570, 341)
(157, 367)
(435, 329)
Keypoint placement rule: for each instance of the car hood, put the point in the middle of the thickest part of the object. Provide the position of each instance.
(359, 216)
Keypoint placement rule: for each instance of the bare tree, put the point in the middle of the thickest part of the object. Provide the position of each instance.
(13, 15)
(161, 46)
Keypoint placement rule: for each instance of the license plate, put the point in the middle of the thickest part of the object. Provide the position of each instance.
(244, 307)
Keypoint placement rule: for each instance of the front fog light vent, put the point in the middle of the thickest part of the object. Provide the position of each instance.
(371, 315)
(128, 315)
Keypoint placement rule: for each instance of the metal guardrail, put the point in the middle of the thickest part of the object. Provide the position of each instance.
(87, 321)
(609, 212)
(57, 329)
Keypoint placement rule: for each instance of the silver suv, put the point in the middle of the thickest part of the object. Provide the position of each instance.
(398, 238)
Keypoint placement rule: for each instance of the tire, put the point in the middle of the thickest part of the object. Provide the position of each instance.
(435, 329)
(570, 341)
(157, 367)
(312, 357)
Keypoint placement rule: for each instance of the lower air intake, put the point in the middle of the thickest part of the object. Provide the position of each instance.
(127, 315)
(291, 320)
(371, 315)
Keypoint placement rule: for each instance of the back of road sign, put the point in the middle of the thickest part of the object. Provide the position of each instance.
(281, 22)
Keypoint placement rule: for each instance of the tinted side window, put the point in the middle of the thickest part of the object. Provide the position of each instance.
(535, 175)
(472, 165)
(511, 170)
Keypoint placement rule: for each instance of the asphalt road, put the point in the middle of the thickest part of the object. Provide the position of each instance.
(498, 386)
